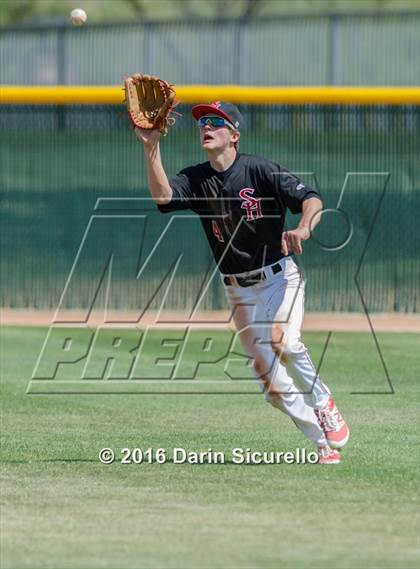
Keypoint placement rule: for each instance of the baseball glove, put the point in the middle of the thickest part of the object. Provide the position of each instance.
(149, 101)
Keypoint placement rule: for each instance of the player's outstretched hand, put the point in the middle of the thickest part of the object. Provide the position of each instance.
(291, 241)
(146, 136)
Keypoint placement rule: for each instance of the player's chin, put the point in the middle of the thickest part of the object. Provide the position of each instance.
(209, 144)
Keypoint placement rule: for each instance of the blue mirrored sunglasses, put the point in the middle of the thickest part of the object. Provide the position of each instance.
(213, 121)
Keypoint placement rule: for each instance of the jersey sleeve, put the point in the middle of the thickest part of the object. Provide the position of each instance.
(290, 190)
(181, 193)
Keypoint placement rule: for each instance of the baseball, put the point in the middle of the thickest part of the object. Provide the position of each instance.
(78, 17)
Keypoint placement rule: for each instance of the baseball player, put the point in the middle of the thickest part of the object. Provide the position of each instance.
(242, 202)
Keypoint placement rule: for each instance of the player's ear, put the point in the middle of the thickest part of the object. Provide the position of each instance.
(236, 135)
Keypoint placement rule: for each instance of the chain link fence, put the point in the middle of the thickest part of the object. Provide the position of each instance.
(56, 162)
(365, 49)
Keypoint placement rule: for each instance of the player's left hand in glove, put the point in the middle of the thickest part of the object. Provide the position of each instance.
(149, 102)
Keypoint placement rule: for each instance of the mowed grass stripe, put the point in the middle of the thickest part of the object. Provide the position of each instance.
(61, 508)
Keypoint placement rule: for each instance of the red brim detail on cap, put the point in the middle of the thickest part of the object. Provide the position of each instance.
(201, 110)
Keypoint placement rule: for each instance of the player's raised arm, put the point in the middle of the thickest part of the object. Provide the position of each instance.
(159, 187)
(149, 101)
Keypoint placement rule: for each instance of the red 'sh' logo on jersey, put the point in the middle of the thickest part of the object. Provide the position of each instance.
(251, 205)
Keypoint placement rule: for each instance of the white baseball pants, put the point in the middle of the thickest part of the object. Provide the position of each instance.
(268, 317)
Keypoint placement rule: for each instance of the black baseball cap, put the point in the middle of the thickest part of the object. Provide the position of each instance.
(225, 110)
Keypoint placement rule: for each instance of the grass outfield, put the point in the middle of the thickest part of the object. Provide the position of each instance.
(61, 508)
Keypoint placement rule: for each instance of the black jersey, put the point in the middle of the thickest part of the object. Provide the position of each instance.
(241, 209)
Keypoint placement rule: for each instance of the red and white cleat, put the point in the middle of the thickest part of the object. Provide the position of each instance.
(333, 424)
(328, 455)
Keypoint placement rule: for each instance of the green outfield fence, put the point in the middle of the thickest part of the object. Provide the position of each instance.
(57, 161)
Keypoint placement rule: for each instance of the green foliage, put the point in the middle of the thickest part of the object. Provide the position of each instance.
(51, 11)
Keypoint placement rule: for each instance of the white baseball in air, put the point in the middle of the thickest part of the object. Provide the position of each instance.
(78, 17)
